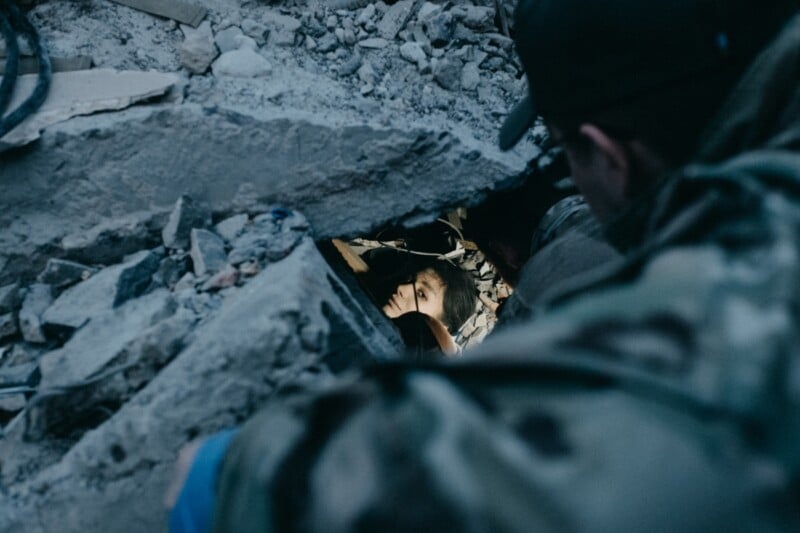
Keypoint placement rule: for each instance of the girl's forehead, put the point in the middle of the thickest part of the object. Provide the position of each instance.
(431, 278)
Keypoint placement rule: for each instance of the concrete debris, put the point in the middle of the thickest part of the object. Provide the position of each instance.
(412, 52)
(479, 18)
(8, 325)
(9, 297)
(61, 273)
(281, 28)
(102, 292)
(173, 9)
(447, 73)
(231, 227)
(22, 375)
(12, 403)
(207, 252)
(198, 49)
(171, 270)
(375, 43)
(351, 66)
(226, 39)
(396, 18)
(367, 15)
(440, 29)
(81, 93)
(37, 300)
(241, 63)
(327, 43)
(185, 216)
(470, 77)
(269, 238)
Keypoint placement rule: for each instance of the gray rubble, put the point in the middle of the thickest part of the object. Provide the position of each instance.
(61, 273)
(185, 216)
(9, 297)
(38, 299)
(207, 252)
(198, 49)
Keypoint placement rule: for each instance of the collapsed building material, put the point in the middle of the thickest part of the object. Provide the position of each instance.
(173, 9)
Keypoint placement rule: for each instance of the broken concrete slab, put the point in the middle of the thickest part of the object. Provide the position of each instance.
(396, 18)
(81, 93)
(37, 300)
(226, 39)
(198, 49)
(179, 10)
(207, 252)
(271, 335)
(171, 270)
(102, 292)
(241, 63)
(185, 216)
(61, 273)
(8, 325)
(94, 346)
(22, 375)
(270, 237)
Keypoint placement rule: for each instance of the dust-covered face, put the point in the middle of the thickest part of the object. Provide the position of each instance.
(429, 297)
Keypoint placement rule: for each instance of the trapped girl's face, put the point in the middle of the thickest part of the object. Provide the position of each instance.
(429, 297)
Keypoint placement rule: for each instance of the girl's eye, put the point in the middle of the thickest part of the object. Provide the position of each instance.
(421, 294)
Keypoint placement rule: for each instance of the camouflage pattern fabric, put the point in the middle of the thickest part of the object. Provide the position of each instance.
(662, 395)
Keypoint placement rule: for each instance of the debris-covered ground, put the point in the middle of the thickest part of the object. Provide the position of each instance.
(157, 278)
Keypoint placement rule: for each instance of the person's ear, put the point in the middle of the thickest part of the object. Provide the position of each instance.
(613, 158)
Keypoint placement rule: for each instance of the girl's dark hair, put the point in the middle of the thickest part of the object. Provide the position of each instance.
(460, 295)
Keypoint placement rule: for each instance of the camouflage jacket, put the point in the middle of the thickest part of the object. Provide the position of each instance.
(660, 395)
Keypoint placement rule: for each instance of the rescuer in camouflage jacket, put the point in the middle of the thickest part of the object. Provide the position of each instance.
(660, 394)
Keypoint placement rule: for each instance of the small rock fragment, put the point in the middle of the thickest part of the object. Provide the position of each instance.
(231, 227)
(226, 39)
(254, 29)
(440, 29)
(470, 77)
(242, 63)
(198, 49)
(479, 18)
(207, 251)
(37, 300)
(61, 273)
(366, 15)
(350, 66)
(22, 375)
(366, 73)
(447, 73)
(327, 43)
(395, 19)
(227, 277)
(8, 325)
(374, 43)
(249, 269)
(9, 297)
(12, 403)
(171, 270)
(412, 52)
(185, 216)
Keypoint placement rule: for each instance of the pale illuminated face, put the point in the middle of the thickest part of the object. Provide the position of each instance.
(429, 300)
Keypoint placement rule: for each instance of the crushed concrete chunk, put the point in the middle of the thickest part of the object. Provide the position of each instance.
(24, 375)
(241, 63)
(395, 19)
(227, 277)
(271, 236)
(479, 18)
(81, 93)
(179, 10)
(207, 251)
(94, 346)
(447, 74)
(470, 77)
(102, 292)
(198, 49)
(231, 227)
(12, 403)
(412, 52)
(62, 273)
(8, 325)
(37, 300)
(9, 297)
(185, 216)
(171, 270)
(226, 39)
(374, 43)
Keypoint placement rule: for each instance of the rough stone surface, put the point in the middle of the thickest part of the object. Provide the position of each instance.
(270, 237)
(198, 49)
(412, 52)
(185, 216)
(38, 298)
(207, 252)
(470, 77)
(231, 227)
(227, 277)
(25, 374)
(113, 479)
(226, 39)
(8, 325)
(440, 29)
(447, 73)
(102, 292)
(241, 63)
(9, 297)
(62, 273)
(171, 270)
(395, 19)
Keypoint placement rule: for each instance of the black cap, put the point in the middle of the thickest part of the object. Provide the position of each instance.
(582, 56)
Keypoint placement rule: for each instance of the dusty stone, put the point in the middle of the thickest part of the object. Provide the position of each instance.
(231, 227)
(62, 273)
(271, 237)
(366, 73)
(12, 403)
(81, 93)
(376, 43)
(331, 22)
(440, 29)
(427, 10)
(339, 33)
(412, 52)
(187, 282)
(465, 35)
(171, 270)
(9, 297)
(207, 252)
(185, 216)
(8, 325)
(470, 77)
(102, 292)
(327, 43)
(38, 298)
(249, 269)
(312, 27)
(23, 375)
(241, 63)
(226, 39)
(351, 66)
(198, 49)
(366, 89)
(395, 19)
(447, 73)
(254, 29)
(227, 277)
(479, 18)
(366, 15)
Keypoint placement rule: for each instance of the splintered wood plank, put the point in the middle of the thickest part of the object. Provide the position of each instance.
(29, 65)
(172, 9)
